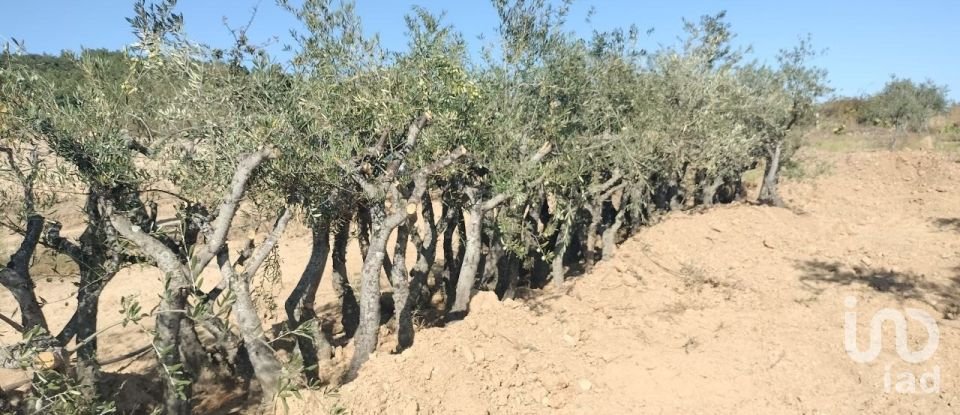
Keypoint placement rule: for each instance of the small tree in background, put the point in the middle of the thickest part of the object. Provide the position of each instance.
(905, 104)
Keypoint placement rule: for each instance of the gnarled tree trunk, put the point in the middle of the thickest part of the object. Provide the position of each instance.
(382, 225)
(769, 194)
(367, 336)
(709, 193)
(452, 219)
(471, 261)
(425, 240)
(15, 277)
(402, 306)
(266, 367)
(557, 268)
(609, 238)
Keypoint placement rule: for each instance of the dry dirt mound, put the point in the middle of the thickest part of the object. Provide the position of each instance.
(736, 310)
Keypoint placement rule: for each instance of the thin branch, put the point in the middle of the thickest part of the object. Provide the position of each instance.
(16, 326)
(260, 255)
(430, 169)
(495, 201)
(541, 153)
(535, 159)
(60, 244)
(413, 133)
(606, 195)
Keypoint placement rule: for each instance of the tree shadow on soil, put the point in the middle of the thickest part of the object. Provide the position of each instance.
(136, 393)
(901, 286)
(948, 224)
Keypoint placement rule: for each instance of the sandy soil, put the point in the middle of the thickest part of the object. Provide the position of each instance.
(736, 309)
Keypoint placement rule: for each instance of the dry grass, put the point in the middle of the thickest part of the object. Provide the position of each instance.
(859, 138)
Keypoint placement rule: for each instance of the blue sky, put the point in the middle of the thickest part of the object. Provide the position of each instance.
(866, 41)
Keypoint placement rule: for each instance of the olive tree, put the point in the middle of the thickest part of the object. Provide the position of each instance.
(905, 104)
(782, 102)
(79, 129)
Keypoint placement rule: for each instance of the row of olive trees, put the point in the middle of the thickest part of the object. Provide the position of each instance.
(544, 155)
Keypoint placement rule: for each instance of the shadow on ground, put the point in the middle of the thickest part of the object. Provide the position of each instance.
(949, 224)
(901, 286)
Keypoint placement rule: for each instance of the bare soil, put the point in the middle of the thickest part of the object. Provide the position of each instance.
(738, 309)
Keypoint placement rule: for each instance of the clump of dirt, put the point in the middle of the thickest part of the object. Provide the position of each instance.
(736, 310)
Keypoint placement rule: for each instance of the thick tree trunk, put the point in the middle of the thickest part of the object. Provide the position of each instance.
(709, 195)
(676, 195)
(452, 217)
(178, 390)
(88, 297)
(367, 336)
(299, 306)
(402, 306)
(490, 263)
(537, 218)
(16, 276)
(610, 234)
(21, 287)
(192, 352)
(382, 225)
(471, 262)
(177, 382)
(731, 190)
(509, 276)
(593, 232)
(349, 308)
(366, 225)
(768, 191)
(180, 273)
(266, 367)
(558, 270)
(98, 264)
(425, 240)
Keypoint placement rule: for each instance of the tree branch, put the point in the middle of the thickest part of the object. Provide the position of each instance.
(20, 260)
(535, 159)
(16, 326)
(420, 178)
(166, 259)
(606, 195)
(420, 185)
(494, 202)
(228, 208)
(61, 244)
(413, 133)
(602, 187)
(250, 268)
(541, 153)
